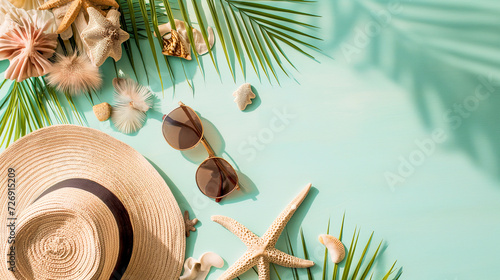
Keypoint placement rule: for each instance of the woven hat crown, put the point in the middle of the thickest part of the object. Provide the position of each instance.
(67, 234)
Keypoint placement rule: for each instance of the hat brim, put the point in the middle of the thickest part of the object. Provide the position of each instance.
(57, 153)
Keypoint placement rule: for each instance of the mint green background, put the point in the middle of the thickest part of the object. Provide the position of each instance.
(358, 113)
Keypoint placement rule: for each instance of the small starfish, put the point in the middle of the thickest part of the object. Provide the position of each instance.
(74, 9)
(103, 37)
(189, 224)
(261, 251)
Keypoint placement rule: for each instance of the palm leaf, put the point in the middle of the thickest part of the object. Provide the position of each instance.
(326, 253)
(391, 270)
(362, 257)
(258, 28)
(145, 16)
(30, 105)
(306, 254)
(336, 266)
(369, 266)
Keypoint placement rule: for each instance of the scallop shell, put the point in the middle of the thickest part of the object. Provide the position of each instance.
(335, 247)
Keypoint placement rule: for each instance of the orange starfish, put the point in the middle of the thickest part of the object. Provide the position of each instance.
(75, 8)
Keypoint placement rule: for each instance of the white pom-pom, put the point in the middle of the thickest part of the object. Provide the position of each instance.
(132, 102)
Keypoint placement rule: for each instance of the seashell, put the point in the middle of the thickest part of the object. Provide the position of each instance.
(27, 4)
(175, 44)
(102, 111)
(335, 247)
(103, 36)
(10, 16)
(243, 96)
(198, 270)
(199, 42)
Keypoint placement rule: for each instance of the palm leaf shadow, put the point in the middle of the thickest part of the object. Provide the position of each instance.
(440, 52)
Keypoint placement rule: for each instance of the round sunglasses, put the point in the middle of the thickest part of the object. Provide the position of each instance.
(183, 130)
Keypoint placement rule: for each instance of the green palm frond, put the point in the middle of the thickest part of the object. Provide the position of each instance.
(256, 31)
(361, 269)
(30, 105)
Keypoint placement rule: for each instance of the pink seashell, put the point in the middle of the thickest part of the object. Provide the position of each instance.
(28, 49)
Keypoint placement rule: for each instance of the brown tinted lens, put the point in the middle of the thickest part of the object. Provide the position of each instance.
(216, 178)
(182, 128)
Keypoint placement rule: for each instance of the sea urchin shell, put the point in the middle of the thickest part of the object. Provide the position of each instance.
(28, 49)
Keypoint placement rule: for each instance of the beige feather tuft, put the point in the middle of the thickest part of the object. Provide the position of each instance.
(132, 102)
(74, 74)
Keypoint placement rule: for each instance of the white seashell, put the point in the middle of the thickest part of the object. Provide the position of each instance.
(198, 270)
(27, 4)
(335, 247)
(243, 96)
(10, 16)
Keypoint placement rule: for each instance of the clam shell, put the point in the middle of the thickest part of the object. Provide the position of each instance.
(335, 247)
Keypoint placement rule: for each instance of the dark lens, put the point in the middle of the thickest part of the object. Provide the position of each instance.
(216, 178)
(182, 128)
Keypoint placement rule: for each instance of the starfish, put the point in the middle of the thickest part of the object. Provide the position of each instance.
(261, 251)
(103, 37)
(189, 224)
(75, 8)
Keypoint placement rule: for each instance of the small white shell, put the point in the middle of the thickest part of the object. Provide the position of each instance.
(198, 270)
(243, 96)
(335, 247)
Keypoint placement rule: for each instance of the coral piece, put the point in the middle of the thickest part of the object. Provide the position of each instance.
(198, 270)
(199, 42)
(132, 103)
(103, 36)
(261, 250)
(335, 247)
(102, 111)
(176, 45)
(28, 49)
(74, 74)
(75, 8)
(243, 96)
(189, 224)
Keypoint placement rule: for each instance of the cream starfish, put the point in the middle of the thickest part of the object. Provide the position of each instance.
(103, 37)
(75, 8)
(261, 250)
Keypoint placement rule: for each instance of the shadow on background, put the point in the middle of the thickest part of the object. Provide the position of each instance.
(183, 205)
(444, 54)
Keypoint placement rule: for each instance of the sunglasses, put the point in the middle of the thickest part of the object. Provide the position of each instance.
(183, 130)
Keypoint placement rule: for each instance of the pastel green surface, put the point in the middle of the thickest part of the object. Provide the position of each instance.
(404, 90)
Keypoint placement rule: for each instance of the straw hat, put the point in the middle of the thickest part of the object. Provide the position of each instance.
(87, 206)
